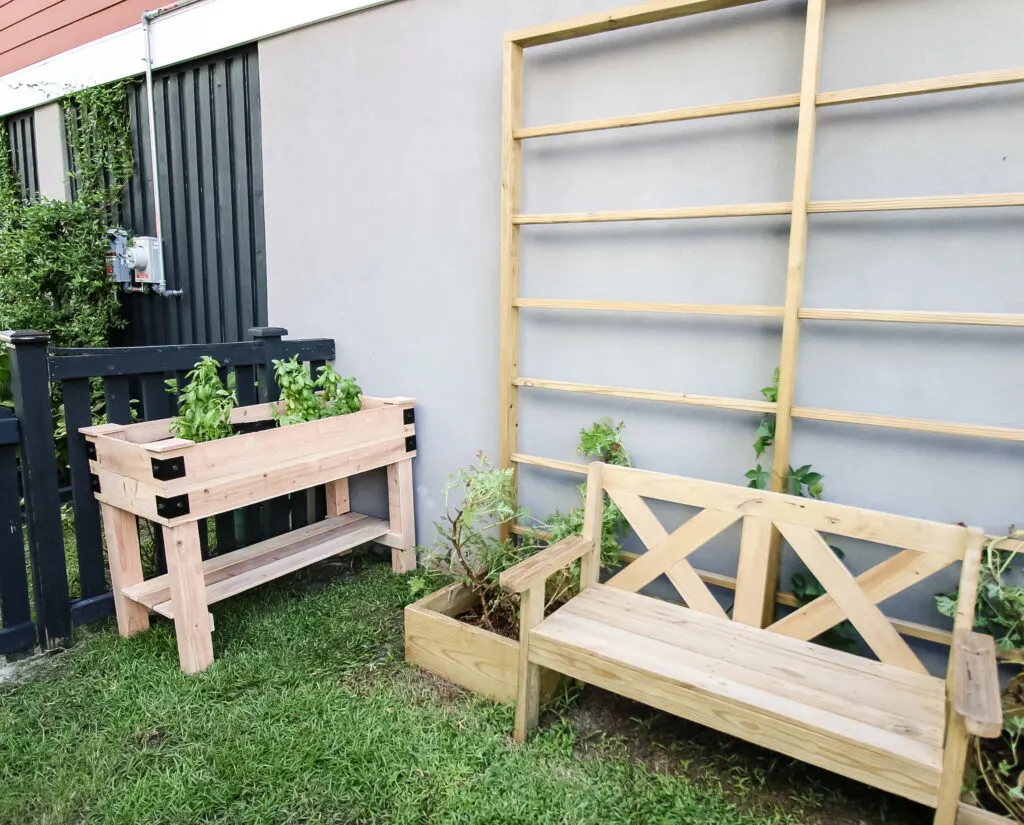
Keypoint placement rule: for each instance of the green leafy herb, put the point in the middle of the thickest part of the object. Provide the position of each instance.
(306, 399)
(204, 405)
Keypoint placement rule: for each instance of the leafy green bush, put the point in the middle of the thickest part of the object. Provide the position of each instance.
(601, 441)
(1000, 607)
(478, 501)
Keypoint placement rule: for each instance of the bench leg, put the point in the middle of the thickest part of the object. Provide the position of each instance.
(192, 625)
(531, 611)
(954, 758)
(402, 516)
(122, 533)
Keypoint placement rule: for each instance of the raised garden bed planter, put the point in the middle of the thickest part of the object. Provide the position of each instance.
(142, 470)
(466, 655)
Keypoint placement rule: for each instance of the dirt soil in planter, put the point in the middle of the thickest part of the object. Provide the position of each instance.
(502, 625)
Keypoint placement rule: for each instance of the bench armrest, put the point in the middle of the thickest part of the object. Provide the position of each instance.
(976, 683)
(548, 561)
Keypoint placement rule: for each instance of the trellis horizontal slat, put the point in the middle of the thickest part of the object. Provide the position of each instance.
(885, 91)
(741, 404)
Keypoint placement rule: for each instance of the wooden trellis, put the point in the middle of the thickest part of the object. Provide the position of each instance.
(808, 100)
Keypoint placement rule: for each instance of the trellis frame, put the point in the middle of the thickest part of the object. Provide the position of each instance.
(808, 100)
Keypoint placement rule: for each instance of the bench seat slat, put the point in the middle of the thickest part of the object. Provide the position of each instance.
(863, 719)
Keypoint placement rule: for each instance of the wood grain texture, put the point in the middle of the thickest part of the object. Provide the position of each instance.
(233, 573)
(192, 626)
(511, 199)
(954, 760)
(738, 107)
(401, 494)
(976, 695)
(918, 203)
(736, 310)
(593, 521)
(755, 605)
(540, 566)
(863, 614)
(972, 815)
(881, 582)
(838, 519)
(468, 656)
(653, 11)
(740, 210)
(911, 88)
(918, 425)
(886, 91)
(656, 672)
(741, 404)
(338, 501)
(795, 266)
(125, 560)
(531, 611)
(666, 554)
(906, 316)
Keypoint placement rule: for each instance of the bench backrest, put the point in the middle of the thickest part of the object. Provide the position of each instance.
(924, 548)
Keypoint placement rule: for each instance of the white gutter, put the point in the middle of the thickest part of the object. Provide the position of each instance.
(183, 34)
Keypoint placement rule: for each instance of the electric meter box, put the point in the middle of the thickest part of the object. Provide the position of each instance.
(118, 269)
(144, 257)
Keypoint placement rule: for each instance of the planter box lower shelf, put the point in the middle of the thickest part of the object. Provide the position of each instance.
(241, 570)
(466, 655)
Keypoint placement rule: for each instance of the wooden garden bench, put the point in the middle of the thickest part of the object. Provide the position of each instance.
(888, 723)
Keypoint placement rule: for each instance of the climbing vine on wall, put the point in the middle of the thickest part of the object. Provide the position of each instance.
(52, 268)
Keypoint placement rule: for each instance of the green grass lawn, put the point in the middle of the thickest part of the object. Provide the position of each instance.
(309, 715)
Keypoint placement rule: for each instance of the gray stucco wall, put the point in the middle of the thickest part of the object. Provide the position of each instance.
(382, 169)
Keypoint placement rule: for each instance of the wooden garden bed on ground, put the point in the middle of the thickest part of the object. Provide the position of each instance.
(143, 470)
(466, 655)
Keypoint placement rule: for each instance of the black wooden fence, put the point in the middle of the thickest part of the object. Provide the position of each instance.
(132, 381)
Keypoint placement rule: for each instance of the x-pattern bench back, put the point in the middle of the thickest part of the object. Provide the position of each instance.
(924, 549)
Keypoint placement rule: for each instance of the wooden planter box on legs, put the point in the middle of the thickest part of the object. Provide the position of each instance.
(142, 470)
(466, 655)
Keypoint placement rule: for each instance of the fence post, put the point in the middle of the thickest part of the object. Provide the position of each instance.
(270, 338)
(30, 382)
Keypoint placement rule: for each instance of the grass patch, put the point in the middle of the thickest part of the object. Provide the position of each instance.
(309, 716)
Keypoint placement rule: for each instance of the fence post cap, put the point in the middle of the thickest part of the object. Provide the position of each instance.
(268, 332)
(18, 337)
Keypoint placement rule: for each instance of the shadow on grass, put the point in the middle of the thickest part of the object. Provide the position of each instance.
(309, 715)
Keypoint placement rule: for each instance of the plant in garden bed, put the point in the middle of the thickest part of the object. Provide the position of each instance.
(478, 501)
(306, 399)
(468, 549)
(602, 440)
(204, 405)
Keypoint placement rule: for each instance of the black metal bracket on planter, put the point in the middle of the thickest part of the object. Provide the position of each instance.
(90, 450)
(172, 507)
(409, 416)
(94, 482)
(410, 443)
(168, 469)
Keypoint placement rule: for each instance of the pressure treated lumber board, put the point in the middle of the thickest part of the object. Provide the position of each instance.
(241, 570)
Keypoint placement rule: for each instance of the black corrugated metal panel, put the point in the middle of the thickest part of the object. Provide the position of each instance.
(211, 187)
(21, 137)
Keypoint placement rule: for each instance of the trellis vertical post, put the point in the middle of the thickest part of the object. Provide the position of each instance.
(511, 178)
(806, 129)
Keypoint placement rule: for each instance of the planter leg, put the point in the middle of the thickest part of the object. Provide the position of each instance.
(403, 520)
(337, 497)
(192, 624)
(121, 531)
